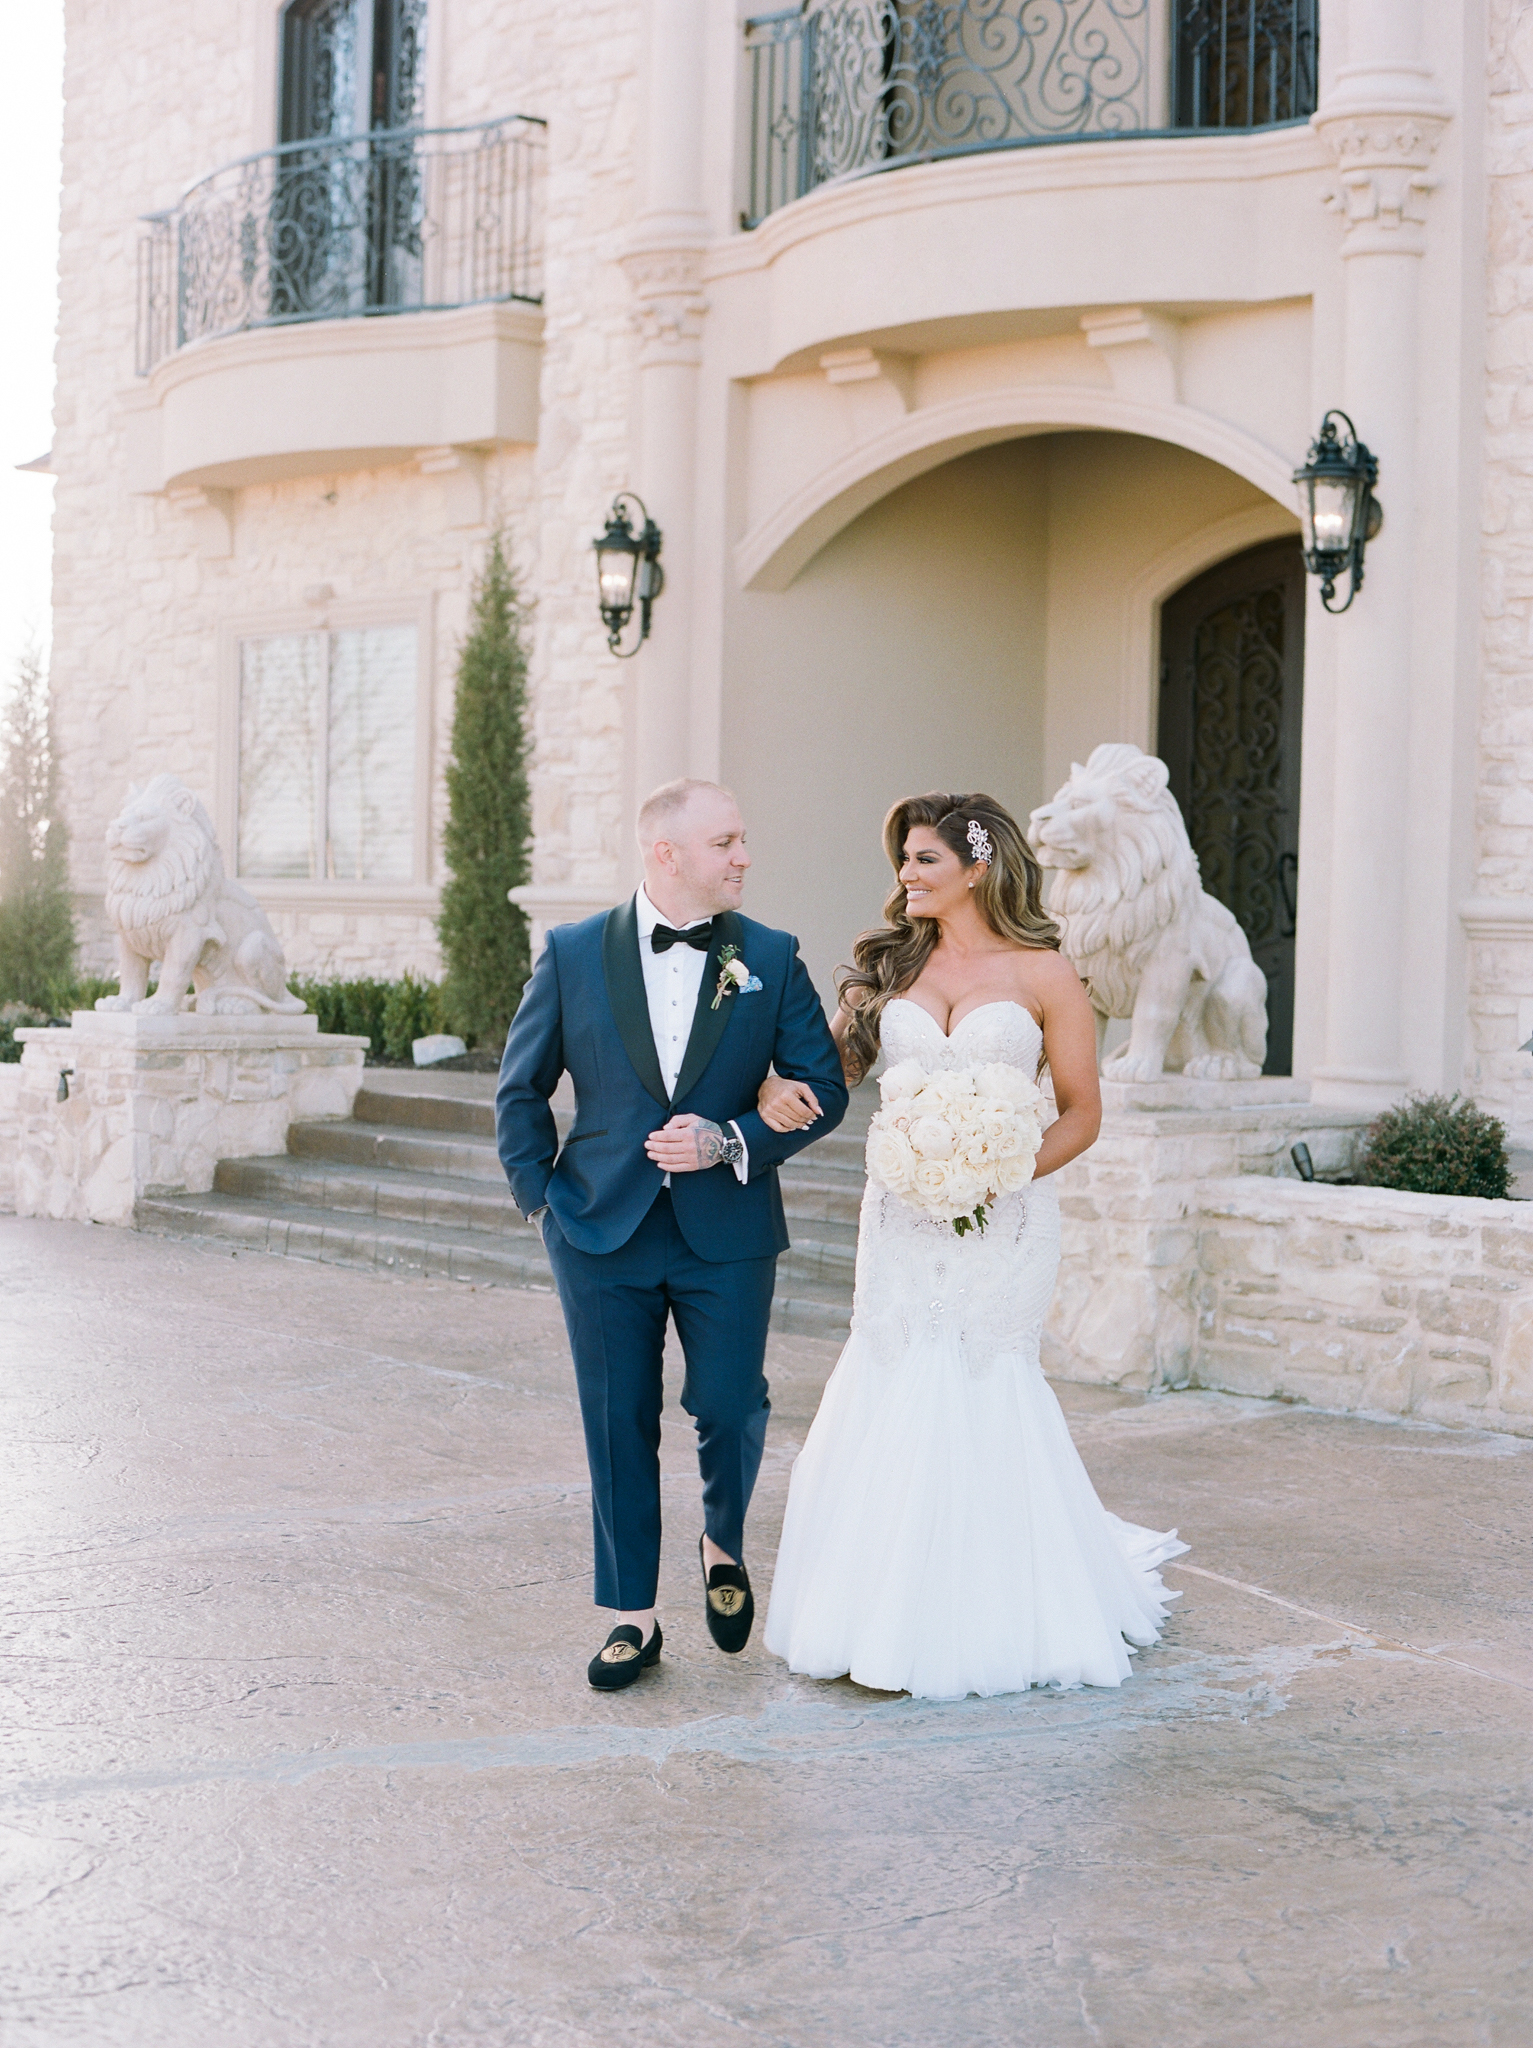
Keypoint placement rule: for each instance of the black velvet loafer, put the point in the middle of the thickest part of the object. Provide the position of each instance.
(623, 1657)
(730, 1606)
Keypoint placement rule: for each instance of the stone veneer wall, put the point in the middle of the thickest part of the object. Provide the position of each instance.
(138, 610)
(1501, 967)
(1348, 1298)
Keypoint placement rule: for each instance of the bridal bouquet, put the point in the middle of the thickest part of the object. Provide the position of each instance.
(950, 1142)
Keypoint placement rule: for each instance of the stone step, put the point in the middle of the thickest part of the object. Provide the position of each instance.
(425, 1112)
(412, 1183)
(342, 1237)
(415, 1151)
(813, 1297)
(396, 1195)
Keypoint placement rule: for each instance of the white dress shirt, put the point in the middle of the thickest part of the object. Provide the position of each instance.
(671, 983)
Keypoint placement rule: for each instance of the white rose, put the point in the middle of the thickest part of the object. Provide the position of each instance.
(932, 1180)
(976, 1149)
(932, 1137)
(1012, 1174)
(901, 1082)
(737, 972)
(890, 1160)
(942, 1091)
(1008, 1085)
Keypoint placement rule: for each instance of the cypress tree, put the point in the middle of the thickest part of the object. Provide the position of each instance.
(37, 934)
(483, 936)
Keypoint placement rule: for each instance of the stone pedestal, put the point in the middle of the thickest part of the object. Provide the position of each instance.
(1125, 1310)
(155, 1102)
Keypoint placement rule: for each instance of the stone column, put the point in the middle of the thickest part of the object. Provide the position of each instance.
(1381, 122)
(663, 260)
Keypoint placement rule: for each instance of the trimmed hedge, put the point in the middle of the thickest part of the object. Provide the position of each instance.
(390, 1015)
(1437, 1145)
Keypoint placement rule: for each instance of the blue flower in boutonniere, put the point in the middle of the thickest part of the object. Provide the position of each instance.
(735, 978)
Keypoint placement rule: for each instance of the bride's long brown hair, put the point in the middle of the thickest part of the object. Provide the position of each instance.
(1008, 895)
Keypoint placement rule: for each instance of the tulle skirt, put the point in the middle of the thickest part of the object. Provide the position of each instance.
(943, 1538)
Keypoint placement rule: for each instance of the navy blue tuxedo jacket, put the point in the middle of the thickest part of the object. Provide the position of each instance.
(585, 1012)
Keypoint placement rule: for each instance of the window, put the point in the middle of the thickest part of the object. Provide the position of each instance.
(352, 65)
(327, 755)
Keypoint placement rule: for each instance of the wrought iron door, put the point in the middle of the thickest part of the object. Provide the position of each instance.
(346, 212)
(1231, 705)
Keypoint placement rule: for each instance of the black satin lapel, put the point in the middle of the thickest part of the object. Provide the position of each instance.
(708, 1023)
(625, 992)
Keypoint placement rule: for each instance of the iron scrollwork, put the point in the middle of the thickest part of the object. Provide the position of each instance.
(1238, 814)
(839, 88)
(391, 221)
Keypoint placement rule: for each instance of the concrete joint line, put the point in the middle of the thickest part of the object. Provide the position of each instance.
(1353, 1628)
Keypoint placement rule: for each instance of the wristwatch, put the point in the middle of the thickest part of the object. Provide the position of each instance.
(731, 1152)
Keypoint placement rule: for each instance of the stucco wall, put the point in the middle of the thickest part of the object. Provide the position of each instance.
(969, 631)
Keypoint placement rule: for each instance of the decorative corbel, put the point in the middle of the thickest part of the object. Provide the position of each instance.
(1142, 352)
(872, 366)
(212, 516)
(461, 473)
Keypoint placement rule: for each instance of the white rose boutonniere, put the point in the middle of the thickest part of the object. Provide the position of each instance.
(735, 978)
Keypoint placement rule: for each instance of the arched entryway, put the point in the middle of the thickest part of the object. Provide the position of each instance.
(1231, 703)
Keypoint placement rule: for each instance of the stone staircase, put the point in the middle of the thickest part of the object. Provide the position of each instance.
(412, 1184)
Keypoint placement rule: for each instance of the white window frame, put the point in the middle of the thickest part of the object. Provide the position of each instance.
(420, 892)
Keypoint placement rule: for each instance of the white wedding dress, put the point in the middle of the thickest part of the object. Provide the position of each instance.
(942, 1536)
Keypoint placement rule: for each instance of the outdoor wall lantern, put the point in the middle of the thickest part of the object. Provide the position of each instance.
(628, 571)
(1337, 508)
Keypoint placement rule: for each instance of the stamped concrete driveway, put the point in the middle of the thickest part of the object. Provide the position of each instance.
(298, 1751)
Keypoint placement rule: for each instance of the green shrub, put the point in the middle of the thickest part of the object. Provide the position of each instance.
(12, 1015)
(37, 934)
(489, 817)
(390, 1015)
(1437, 1145)
(85, 993)
(413, 1010)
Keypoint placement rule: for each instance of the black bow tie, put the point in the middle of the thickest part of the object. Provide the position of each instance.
(700, 937)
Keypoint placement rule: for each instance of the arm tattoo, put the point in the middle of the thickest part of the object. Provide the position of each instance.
(710, 1143)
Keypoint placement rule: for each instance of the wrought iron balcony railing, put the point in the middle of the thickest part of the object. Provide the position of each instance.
(841, 88)
(406, 220)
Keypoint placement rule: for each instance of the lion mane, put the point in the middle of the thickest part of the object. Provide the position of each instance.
(169, 900)
(1140, 929)
(1141, 875)
(144, 894)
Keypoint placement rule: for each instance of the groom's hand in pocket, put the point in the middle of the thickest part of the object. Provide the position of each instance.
(686, 1144)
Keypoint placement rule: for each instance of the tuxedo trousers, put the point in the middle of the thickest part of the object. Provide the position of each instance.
(616, 1307)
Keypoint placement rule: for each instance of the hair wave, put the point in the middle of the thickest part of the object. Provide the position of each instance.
(1008, 895)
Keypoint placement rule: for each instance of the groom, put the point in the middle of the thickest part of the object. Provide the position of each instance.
(667, 1013)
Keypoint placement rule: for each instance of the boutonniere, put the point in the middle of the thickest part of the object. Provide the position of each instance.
(735, 978)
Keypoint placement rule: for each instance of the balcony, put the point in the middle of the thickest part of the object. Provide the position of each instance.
(848, 88)
(401, 221)
(268, 346)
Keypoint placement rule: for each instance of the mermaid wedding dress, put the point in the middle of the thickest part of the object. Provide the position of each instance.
(942, 1536)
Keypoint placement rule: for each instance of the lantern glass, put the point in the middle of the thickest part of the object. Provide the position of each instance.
(617, 563)
(1331, 506)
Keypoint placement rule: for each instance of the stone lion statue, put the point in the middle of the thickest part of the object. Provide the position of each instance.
(169, 900)
(1139, 929)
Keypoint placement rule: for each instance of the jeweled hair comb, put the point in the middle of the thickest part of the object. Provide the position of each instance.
(979, 842)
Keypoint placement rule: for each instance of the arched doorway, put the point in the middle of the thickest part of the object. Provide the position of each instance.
(1231, 702)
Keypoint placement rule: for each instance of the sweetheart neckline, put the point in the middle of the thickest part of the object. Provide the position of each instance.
(1004, 1003)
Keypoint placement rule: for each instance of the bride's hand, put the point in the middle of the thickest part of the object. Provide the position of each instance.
(786, 1105)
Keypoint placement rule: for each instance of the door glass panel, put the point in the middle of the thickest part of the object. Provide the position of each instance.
(1231, 708)
(281, 810)
(372, 750)
(1236, 821)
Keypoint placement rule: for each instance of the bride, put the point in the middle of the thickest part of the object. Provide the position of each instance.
(942, 1536)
